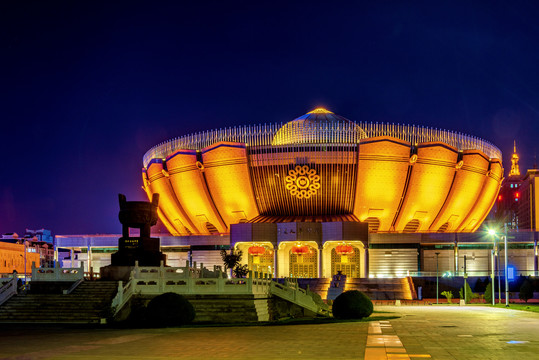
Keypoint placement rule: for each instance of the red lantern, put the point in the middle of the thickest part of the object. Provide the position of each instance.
(257, 250)
(300, 249)
(344, 249)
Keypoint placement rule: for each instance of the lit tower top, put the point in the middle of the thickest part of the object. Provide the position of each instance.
(515, 170)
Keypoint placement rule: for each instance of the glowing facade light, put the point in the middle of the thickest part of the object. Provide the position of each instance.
(256, 250)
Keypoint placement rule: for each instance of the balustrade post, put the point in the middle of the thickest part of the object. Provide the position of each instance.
(221, 284)
(120, 292)
(34, 271)
(161, 278)
(81, 270)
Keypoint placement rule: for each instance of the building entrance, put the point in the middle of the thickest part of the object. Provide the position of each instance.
(346, 258)
(261, 259)
(303, 262)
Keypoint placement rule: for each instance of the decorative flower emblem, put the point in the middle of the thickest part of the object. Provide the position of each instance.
(302, 182)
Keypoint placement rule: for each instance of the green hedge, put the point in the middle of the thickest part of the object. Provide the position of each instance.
(170, 309)
(352, 304)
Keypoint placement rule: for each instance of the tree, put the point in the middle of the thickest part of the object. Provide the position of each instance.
(526, 291)
(240, 271)
(469, 293)
(488, 293)
(232, 262)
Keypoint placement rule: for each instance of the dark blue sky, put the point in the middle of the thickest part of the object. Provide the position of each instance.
(87, 87)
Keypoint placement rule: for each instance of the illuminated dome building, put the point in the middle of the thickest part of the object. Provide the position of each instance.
(305, 191)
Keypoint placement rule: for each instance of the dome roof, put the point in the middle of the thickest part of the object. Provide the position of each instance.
(318, 127)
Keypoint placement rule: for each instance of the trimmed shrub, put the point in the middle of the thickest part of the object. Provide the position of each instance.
(170, 309)
(352, 304)
(488, 293)
(469, 294)
(448, 295)
(526, 291)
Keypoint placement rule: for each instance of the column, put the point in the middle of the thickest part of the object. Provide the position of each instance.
(535, 263)
(365, 272)
(456, 255)
(320, 261)
(275, 262)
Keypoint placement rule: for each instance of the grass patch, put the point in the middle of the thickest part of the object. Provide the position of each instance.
(523, 307)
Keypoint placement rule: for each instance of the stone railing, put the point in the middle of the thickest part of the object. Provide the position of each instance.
(8, 288)
(146, 280)
(291, 291)
(57, 273)
(196, 280)
(122, 296)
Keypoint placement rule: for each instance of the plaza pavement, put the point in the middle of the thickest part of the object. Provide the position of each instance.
(436, 332)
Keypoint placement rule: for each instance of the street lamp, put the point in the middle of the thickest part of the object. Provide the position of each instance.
(465, 277)
(492, 233)
(25, 244)
(505, 270)
(437, 254)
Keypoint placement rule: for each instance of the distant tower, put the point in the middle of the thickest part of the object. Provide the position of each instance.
(515, 170)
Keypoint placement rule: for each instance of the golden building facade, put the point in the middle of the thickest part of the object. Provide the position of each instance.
(397, 178)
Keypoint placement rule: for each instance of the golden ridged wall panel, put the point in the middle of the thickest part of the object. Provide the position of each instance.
(381, 178)
(428, 187)
(304, 180)
(162, 217)
(484, 203)
(185, 174)
(466, 188)
(172, 212)
(227, 176)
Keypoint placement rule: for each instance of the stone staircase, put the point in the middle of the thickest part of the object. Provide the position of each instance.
(230, 309)
(88, 303)
(381, 289)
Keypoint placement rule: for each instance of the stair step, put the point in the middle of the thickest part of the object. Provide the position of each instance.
(86, 304)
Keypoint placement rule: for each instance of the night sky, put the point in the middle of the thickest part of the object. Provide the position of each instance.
(87, 87)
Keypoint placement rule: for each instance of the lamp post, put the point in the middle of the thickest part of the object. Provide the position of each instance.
(492, 233)
(24, 261)
(465, 277)
(437, 254)
(492, 276)
(505, 270)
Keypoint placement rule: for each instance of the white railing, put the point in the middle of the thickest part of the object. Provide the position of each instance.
(57, 273)
(122, 296)
(8, 288)
(291, 291)
(193, 280)
(334, 132)
(153, 280)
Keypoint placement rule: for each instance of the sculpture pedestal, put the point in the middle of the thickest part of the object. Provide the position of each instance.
(131, 249)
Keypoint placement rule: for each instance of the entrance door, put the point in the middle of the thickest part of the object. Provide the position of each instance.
(348, 264)
(304, 265)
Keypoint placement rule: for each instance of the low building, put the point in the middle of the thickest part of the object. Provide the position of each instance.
(290, 249)
(13, 257)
